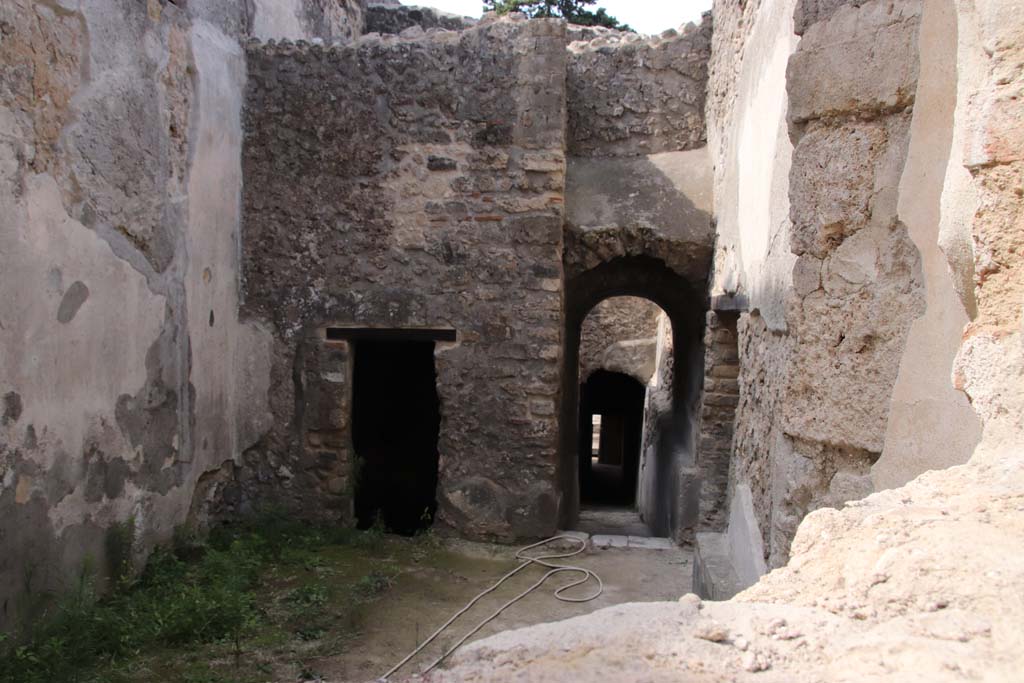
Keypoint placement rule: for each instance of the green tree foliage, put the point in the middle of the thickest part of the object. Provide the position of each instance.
(574, 11)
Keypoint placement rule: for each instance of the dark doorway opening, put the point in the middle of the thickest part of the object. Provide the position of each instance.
(612, 410)
(396, 418)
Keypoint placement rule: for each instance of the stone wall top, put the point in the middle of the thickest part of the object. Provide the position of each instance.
(388, 18)
(629, 95)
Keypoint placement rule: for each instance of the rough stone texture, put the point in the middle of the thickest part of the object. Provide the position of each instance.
(384, 18)
(849, 334)
(808, 12)
(630, 95)
(886, 75)
(990, 364)
(882, 591)
(346, 224)
(758, 427)
(915, 583)
(127, 373)
(620, 335)
(821, 358)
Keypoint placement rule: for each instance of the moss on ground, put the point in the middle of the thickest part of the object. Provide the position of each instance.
(251, 603)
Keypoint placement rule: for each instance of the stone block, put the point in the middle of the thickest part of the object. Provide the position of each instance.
(880, 38)
(441, 163)
(833, 173)
(649, 543)
(713, 574)
(806, 275)
(605, 541)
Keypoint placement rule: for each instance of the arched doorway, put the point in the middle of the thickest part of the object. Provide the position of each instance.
(668, 486)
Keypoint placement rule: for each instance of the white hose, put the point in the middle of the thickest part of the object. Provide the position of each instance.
(541, 560)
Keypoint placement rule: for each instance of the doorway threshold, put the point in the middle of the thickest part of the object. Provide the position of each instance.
(613, 521)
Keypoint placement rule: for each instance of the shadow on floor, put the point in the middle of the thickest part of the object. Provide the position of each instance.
(612, 520)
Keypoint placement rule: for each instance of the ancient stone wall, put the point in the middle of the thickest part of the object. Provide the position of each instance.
(127, 373)
(857, 279)
(629, 95)
(419, 184)
(831, 180)
(638, 188)
(885, 587)
(387, 18)
(764, 357)
(620, 334)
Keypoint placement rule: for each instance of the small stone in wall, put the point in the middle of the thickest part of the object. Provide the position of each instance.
(441, 164)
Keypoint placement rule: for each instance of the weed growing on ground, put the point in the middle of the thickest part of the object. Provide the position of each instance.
(308, 595)
(198, 591)
(371, 539)
(374, 583)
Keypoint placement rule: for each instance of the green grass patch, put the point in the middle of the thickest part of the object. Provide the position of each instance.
(223, 609)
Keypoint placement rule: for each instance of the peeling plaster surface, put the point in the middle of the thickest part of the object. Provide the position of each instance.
(126, 373)
(69, 375)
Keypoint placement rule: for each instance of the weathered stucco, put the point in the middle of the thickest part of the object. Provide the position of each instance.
(931, 424)
(750, 147)
(126, 374)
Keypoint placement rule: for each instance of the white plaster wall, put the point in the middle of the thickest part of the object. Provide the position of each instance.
(232, 358)
(931, 424)
(752, 191)
(68, 375)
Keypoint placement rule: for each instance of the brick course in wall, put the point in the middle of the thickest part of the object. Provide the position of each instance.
(717, 417)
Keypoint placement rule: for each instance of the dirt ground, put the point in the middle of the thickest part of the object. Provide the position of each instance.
(427, 591)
